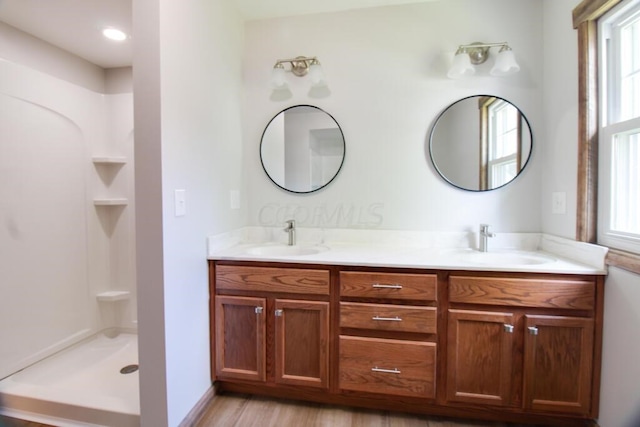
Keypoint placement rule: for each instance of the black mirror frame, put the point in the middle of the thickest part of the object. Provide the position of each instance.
(337, 171)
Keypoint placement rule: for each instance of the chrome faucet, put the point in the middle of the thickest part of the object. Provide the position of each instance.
(484, 236)
(291, 229)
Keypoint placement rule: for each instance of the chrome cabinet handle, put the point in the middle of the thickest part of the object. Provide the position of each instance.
(508, 328)
(386, 371)
(387, 319)
(278, 313)
(258, 310)
(384, 286)
(533, 330)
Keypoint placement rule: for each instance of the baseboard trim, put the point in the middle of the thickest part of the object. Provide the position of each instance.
(199, 409)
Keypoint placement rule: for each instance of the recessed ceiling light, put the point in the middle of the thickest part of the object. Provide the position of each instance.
(114, 34)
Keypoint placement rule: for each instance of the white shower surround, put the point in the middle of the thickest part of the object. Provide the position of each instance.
(58, 251)
(80, 386)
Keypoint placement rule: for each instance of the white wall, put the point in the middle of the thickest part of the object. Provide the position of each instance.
(620, 398)
(386, 69)
(187, 80)
(559, 155)
(22, 48)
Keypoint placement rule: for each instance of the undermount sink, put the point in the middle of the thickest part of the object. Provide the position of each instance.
(502, 257)
(276, 249)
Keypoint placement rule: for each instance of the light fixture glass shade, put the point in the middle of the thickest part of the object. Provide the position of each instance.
(461, 66)
(277, 78)
(316, 74)
(505, 64)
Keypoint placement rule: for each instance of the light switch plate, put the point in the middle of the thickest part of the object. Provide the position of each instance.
(234, 199)
(180, 202)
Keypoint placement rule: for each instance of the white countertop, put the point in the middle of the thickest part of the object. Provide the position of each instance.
(511, 252)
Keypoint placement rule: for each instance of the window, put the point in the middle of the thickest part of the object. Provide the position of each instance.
(619, 136)
(503, 143)
(500, 142)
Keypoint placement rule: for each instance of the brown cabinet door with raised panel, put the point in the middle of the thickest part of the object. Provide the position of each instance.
(558, 363)
(480, 350)
(302, 342)
(240, 338)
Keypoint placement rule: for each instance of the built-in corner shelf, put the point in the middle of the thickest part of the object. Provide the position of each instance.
(111, 202)
(109, 160)
(110, 296)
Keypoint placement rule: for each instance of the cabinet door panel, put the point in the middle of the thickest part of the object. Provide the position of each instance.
(240, 338)
(302, 342)
(558, 363)
(480, 357)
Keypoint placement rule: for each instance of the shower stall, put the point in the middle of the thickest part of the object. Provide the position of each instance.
(67, 257)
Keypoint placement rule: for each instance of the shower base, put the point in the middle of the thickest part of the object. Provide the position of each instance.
(79, 386)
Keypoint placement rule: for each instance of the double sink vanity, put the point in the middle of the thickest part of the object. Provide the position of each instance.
(411, 321)
(473, 324)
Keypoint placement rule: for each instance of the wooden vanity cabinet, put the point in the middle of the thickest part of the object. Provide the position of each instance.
(515, 347)
(251, 305)
(387, 341)
(526, 343)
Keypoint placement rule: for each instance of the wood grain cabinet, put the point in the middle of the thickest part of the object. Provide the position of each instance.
(513, 347)
(387, 344)
(512, 356)
(240, 331)
(269, 323)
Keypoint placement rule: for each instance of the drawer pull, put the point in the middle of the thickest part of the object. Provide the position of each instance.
(278, 313)
(385, 286)
(387, 319)
(258, 310)
(386, 371)
(508, 328)
(533, 330)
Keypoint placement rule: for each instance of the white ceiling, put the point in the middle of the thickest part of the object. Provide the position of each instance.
(261, 9)
(75, 25)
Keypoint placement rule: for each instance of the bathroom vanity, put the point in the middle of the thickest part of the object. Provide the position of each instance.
(440, 336)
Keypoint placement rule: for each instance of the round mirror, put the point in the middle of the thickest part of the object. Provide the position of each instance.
(302, 149)
(480, 143)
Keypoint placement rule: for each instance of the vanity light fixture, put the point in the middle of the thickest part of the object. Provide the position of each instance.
(299, 66)
(477, 53)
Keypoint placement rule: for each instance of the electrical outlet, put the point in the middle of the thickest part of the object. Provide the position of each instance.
(559, 203)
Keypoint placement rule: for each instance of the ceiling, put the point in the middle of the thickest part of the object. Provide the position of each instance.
(51, 20)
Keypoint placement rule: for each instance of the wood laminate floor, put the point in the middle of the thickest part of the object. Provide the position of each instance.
(230, 410)
(12, 422)
(234, 410)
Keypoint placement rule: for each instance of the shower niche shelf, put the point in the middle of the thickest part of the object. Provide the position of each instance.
(109, 160)
(111, 296)
(111, 202)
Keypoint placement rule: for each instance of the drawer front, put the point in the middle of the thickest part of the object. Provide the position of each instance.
(578, 294)
(388, 317)
(416, 287)
(403, 368)
(268, 279)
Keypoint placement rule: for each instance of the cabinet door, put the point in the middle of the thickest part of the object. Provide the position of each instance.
(240, 338)
(302, 342)
(480, 356)
(558, 363)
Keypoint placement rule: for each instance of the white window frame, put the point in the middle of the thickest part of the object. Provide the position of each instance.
(610, 125)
